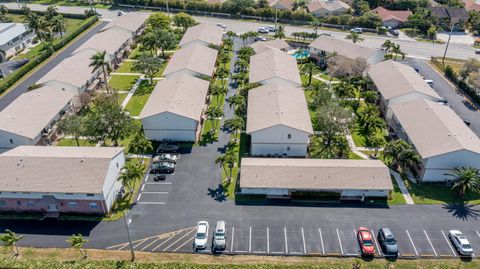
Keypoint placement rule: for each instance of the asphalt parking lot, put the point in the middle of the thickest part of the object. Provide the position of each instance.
(298, 241)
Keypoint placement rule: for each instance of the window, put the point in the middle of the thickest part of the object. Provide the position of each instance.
(11, 141)
(288, 148)
(289, 136)
(90, 194)
(69, 193)
(19, 203)
(72, 204)
(30, 203)
(93, 205)
(2, 203)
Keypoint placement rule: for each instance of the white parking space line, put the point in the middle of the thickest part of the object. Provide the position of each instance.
(376, 243)
(139, 196)
(250, 240)
(149, 244)
(276, 252)
(304, 245)
(143, 187)
(139, 243)
(176, 241)
(340, 242)
(233, 237)
(188, 241)
(321, 240)
(268, 240)
(286, 242)
(411, 241)
(478, 234)
(163, 243)
(158, 183)
(154, 192)
(430, 242)
(151, 203)
(448, 242)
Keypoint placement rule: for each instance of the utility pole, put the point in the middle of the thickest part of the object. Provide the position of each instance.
(168, 10)
(448, 42)
(276, 11)
(132, 252)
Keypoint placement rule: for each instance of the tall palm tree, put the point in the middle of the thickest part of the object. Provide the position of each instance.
(371, 97)
(235, 124)
(279, 32)
(236, 101)
(133, 171)
(231, 34)
(77, 242)
(397, 51)
(466, 179)
(139, 144)
(213, 113)
(97, 61)
(400, 153)
(315, 24)
(227, 160)
(217, 91)
(355, 37)
(309, 69)
(59, 25)
(10, 239)
(408, 158)
(345, 89)
(387, 45)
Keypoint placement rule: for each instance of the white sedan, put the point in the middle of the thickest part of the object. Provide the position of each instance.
(460, 242)
(165, 157)
(201, 237)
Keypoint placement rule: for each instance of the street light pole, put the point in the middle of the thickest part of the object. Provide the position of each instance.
(132, 252)
(168, 10)
(448, 43)
(276, 11)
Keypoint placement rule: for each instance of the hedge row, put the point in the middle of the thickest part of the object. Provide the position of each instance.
(43, 55)
(65, 15)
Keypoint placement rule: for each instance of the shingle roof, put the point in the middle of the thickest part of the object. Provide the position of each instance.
(55, 169)
(344, 48)
(273, 64)
(277, 104)
(286, 4)
(196, 58)
(183, 95)
(31, 112)
(210, 34)
(385, 14)
(314, 174)
(405, 79)
(131, 21)
(109, 40)
(261, 46)
(471, 5)
(434, 128)
(9, 31)
(73, 70)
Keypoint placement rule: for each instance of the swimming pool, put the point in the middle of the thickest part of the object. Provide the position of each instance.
(301, 55)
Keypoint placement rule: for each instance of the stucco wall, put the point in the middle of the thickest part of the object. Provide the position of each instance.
(168, 126)
(275, 141)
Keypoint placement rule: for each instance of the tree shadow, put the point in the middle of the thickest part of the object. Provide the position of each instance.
(207, 138)
(218, 194)
(462, 210)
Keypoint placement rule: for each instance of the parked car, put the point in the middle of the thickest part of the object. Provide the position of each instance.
(460, 242)
(120, 13)
(429, 82)
(356, 30)
(260, 38)
(201, 237)
(477, 51)
(219, 237)
(365, 240)
(162, 167)
(262, 30)
(326, 34)
(270, 28)
(387, 242)
(159, 177)
(167, 147)
(165, 157)
(221, 25)
(394, 32)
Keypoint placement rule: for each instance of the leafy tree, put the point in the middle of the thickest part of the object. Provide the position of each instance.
(183, 20)
(376, 142)
(245, 53)
(321, 96)
(3, 10)
(213, 113)
(309, 69)
(360, 7)
(74, 126)
(465, 179)
(355, 37)
(299, 5)
(158, 20)
(227, 160)
(148, 65)
(474, 21)
(133, 170)
(139, 144)
(432, 33)
(98, 62)
(10, 239)
(470, 66)
(77, 242)
(421, 20)
(235, 124)
(59, 24)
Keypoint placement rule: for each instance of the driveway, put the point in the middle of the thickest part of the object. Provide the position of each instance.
(455, 100)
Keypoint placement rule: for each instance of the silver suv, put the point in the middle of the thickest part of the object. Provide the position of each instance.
(219, 237)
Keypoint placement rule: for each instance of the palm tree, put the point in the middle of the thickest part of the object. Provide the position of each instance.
(222, 74)
(223, 59)
(77, 242)
(235, 124)
(345, 89)
(227, 44)
(299, 4)
(139, 144)
(217, 91)
(279, 32)
(408, 158)
(231, 34)
(371, 97)
(3, 10)
(309, 69)
(400, 153)
(387, 45)
(236, 101)
(466, 179)
(227, 160)
(133, 170)
(315, 24)
(396, 50)
(10, 239)
(213, 113)
(355, 37)
(59, 25)
(97, 61)
(376, 142)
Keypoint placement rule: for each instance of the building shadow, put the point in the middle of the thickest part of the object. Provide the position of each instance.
(463, 210)
(218, 194)
(49, 226)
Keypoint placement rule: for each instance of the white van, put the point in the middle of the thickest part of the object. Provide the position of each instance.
(429, 82)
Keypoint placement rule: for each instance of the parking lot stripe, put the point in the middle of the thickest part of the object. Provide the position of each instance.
(233, 237)
(154, 192)
(304, 245)
(185, 235)
(277, 252)
(139, 196)
(340, 242)
(448, 242)
(478, 234)
(259, 252)
(139, 243)
(151, 243)
(411, 241)
(430, 242)
(268, 241)
(163, 243)
(250, 240)
(188, 241)
(143, 187)
(151, 203)
(158, 183)
(321, 240)
(376, 243)
(286, 241)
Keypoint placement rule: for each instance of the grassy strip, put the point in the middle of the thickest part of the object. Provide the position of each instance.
(122, 82)
(102, 259)
(139, 98)
(69, 142)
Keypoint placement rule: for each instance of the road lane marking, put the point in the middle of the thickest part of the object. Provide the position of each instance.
(233, 237)
(340, 242)
(304, 245)
(176, 241)
(448, 242)
(430, 242)
(376, 243)
(268, 241)
(411, 241)
(286, 241)
(478, 234)
(250, 240)
(321, 240)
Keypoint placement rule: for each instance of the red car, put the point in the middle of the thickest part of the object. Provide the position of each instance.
(365, 240)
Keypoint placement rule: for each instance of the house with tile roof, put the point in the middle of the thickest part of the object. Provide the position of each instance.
(392, 18)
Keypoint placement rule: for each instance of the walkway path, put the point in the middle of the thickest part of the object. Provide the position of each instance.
(354, 148)
(403, 189)
(325, 80)
(132, 91)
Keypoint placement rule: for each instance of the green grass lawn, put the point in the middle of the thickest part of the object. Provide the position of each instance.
(138, 100)
(425, 193)
(122, 82)
(126, 67)
(360, 140)
(240, 149)
(67, 142)
(121, 97)
(396, 197)
(353, 156)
